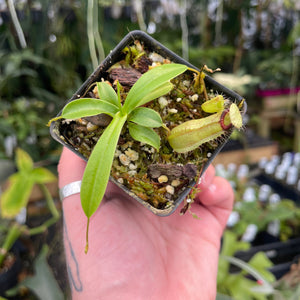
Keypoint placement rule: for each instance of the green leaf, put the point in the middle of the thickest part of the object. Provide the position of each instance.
(213, 105)
(235, 116)
(16, 196)
(231, 244)
(23, 161)
(98, 168)
(280, 212)
(119, 95)
(149, 82)
(43, 283)
(107, 93)
(42, 175)
(146, 117)
(268, 288)
(262, 263)
(239, 287)
(86, 107)
(144, 135)
(164, 89)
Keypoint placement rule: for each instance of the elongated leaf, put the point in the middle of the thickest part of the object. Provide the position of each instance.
(149, 82)
(146, 117)
(107, 93)
(164, 89)
(144, 135)
(86, 107)
(42, 175)
(23, 161)
(98, 168)
(16, 196)
(249, 269)
(119, 95)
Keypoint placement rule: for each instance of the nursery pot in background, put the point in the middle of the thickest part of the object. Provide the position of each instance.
(9, 273)
(282, 255)
(159, 180)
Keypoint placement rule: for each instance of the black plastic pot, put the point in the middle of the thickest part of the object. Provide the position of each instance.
(115, 56)
(282, 254)
(9, 278)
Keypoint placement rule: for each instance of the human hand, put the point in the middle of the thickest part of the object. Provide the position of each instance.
(135, 254)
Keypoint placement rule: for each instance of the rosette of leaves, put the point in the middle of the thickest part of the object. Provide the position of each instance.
(140, 122)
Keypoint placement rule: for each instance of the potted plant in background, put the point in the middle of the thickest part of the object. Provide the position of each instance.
(150, 122)
(254, 277)
(263, 215)
(239, 279)
(13, 201)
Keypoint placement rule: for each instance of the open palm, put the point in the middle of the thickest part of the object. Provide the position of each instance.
(135, 254)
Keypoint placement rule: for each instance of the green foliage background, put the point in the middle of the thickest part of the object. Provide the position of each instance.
(242, 37)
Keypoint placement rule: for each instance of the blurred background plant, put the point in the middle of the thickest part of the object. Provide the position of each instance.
(14, 202)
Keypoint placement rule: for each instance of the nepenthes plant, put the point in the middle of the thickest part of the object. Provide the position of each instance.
(147, 123)
(141, 120)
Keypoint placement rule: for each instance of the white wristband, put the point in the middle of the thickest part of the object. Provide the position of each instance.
(70, 189)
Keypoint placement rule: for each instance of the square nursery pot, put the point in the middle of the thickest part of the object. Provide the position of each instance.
(159, 181)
